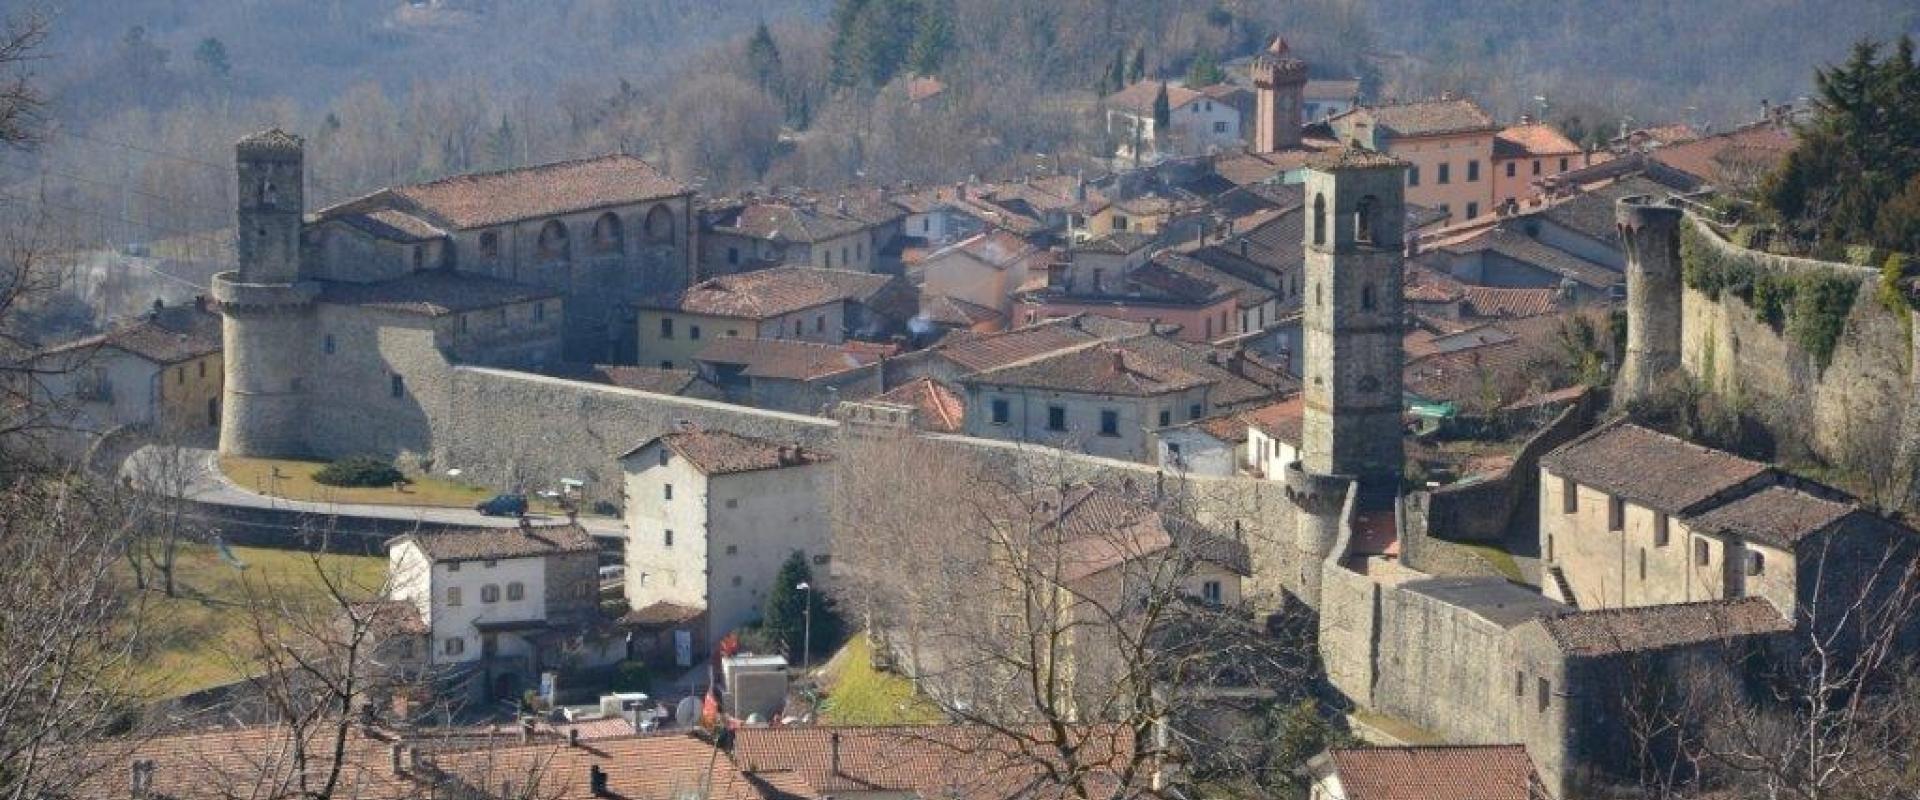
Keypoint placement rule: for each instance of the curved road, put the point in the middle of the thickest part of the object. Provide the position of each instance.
(194, 474)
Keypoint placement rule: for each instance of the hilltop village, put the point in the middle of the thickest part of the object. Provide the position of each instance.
(1375, 418)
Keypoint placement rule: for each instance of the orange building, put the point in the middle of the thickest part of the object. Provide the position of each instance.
(1447, 143)
(1528, 152)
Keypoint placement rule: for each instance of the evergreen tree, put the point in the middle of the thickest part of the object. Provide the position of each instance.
(212, 56)
(1138, 69)
(933, 40)
(784, 617)
(763, 60)
(1847, 180)
(1162, 112)
(500, 145)
(1204, 71)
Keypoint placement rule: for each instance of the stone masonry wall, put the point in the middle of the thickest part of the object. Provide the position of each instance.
(1861, 401)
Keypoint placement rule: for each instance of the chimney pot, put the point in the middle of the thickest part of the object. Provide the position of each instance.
(833, 744)
(1119, 363)
(597, 780)
(573, 737)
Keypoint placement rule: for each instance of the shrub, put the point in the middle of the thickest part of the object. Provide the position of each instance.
(631, 676)
(359, 471)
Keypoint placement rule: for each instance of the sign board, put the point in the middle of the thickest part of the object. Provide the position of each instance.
(683, 648)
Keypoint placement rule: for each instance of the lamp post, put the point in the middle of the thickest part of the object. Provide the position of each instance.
(806, 614)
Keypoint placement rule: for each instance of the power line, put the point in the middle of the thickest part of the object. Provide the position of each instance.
(149, 227)
(28, 174)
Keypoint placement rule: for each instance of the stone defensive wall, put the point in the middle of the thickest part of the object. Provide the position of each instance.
(1819, 350)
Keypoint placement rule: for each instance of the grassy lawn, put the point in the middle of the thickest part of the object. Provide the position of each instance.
(188, 641)
(295, 482)
(858, 694)
(1500, 559)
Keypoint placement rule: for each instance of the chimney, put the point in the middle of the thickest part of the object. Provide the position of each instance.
(200, 302)
(396, 757)
(1119, 363)
(573, 737)
(833, 751)
(597, 781)
(1153, 325)
(140, 778)
(1243, 248)
(960, 190)
(526, 730)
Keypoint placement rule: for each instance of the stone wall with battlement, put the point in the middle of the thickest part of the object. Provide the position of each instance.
(1858, 409)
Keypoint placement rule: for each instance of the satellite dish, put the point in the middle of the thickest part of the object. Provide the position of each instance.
(688, 711)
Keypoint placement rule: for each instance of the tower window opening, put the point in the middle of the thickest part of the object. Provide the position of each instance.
(1363, 220)
(1366, 297)
(1319, 219)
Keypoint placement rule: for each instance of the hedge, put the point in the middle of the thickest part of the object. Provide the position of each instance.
(1810, 307)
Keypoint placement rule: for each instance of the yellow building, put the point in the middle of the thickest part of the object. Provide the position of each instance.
(1448, 145)
(796, 303)
(162, 372)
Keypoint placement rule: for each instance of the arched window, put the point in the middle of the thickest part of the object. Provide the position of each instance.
(659, 225)
(489, 594)
(607, 236)
(268, 197)
(553, 244)
(1363, 220)
(1319, 219)
(516, 592)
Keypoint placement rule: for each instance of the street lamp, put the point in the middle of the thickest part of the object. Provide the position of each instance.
(806, 638)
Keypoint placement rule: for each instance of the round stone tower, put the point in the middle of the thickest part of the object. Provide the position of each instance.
(1280, 84)
(267, 304)
(1650, 232)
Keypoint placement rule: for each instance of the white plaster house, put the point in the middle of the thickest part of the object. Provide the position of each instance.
(1196, 122)
(507, 601)
(711, 515)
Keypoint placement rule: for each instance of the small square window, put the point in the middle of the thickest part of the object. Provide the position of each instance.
(1109, 423)
(490, 563)
(1194, 411)
(326, 344)
(1446, 173)
(733, 502)
(1546, 693)
(666, 327)
(1536, 166)
(666, 491)
(693, 332)
(1000, 412)
(666, 540)
(1166, 418)
(453, 567)
(733, 549)
(1056, 418)
(663, 456)
(736, 580)
(1756, 563)
(1702, 553)
(1511, 169)
(1569, 496)
(399, 386)
(1473, 170)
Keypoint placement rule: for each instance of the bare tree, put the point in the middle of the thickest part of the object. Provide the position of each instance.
(1075, 616)
(21, 103)
(167, 473)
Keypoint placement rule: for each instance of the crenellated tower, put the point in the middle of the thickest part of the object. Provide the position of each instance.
(1650, 233)
(267, 304)
(1280, 85)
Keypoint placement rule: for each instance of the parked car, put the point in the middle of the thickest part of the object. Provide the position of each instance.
(503, 505)
(612, 572)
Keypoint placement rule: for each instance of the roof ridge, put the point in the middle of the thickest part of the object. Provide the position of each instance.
(469, 176)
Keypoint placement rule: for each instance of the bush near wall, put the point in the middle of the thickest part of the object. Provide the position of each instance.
(1809, 307)
(359, 471)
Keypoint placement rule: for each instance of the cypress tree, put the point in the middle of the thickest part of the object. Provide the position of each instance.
(783, 617)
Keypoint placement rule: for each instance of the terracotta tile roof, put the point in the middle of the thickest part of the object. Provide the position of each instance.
(1239, 378)
(1495, 301)
(662, 613)
(995, 248)
(1612, 631)
(1425, 117)
(1664, 473)
(1118, 243)
(391, 617)
(954, 312)
(491, 198)
(472, 544)
(1465, 376)
(166, 336)
(790, 223)
(1279, 420)
(1730, 157)
(433, 294)
(785, 359)
(1250, 294)
(1527, 250)
(976, 352)
(923, 87)
(1437, 772)
(1590, 213)
(1094, 368)
(1532, 139)
(1253, 168)
(1101, 528)
(716, 452)
(646, 379)
(1138, 98)
(950, 762)
(941, 408)
(647, 766)
(393, 225)
(767, 293)
(1775, 515)
(255, 761)
(1427, 284)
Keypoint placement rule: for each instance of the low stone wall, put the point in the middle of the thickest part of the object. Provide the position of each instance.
(286, 529)
(1484, 510)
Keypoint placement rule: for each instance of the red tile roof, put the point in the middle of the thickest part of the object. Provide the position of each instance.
(1100, 529)
(491, 198)
(1280, 420)
(954, 312)
(945, 762)
(1730, 157)
(1138, 98)
(1096, 368)
(1493, 301)
(1776, 515)
(767, 293)
(785, 359)
(718, 452)
(941, 408)
(1425, 117)
(166, 336)
(1438, 772)
(522, 541)
(1531, 140)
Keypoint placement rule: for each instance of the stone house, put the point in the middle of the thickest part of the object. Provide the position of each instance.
(1631, 517)
(711, 516)
(602, 232)
(824, 306)
(986, 270)
(1196, 122)
(503, 604)
(1447, 143)
(755, 234)
(1098, 398)
(162, 372)
(1121, 276)
(787, 375)
(1425, 772)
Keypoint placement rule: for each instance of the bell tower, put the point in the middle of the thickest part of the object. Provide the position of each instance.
(266, 305)
(1352, 320)
(1280, 85)
(270, 169)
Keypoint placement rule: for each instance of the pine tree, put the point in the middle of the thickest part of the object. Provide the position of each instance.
(933, 40)
(212, 56)
(1138, 69)
(1845, 181)
(784, 616)
(1162, 112)
(763, 60)
(1204, 71)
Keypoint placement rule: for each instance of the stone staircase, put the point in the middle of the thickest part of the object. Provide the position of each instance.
(1556, 587)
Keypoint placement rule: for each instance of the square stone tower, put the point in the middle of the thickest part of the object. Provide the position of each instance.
(1356, 216)
(1280, 84)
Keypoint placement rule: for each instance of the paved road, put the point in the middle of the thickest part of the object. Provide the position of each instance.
(196, 475)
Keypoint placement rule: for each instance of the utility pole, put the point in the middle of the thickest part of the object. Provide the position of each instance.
(806, 637)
